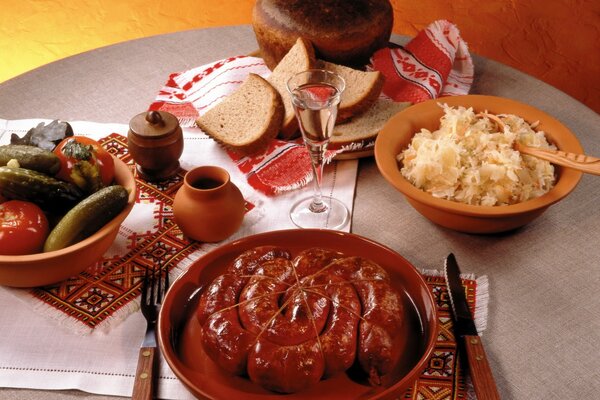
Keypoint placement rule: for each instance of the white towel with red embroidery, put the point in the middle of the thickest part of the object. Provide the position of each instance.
(435, 63)
(283, 166)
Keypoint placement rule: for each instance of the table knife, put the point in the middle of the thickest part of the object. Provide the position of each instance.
(466, 335)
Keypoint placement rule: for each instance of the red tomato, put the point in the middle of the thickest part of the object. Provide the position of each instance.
(84, 162)
(23, 228)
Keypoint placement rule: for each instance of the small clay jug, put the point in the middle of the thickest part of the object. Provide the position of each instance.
(155, 141)
(208, 207)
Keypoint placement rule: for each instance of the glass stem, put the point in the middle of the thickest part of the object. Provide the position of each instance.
(317, 153)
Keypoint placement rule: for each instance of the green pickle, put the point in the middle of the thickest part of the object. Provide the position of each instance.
(30, 157)
(49, 193)
(87, 217)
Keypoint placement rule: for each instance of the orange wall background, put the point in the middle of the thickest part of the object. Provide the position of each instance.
(557, 41)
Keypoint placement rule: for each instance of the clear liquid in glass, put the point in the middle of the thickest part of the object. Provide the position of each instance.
(316, 110)
(316, 96)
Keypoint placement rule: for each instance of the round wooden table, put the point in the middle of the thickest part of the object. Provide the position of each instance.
(543, 325)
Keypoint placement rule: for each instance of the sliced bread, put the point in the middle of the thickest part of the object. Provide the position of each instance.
(362, 89)
(363, 128)
(300, 58)
(247, 119)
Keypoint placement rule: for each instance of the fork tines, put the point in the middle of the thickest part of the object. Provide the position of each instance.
(154, 285)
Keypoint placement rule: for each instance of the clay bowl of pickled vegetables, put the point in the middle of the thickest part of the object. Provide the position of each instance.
(453, 159)
(51, 228)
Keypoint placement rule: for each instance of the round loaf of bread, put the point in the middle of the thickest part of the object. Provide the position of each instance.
(343, 32)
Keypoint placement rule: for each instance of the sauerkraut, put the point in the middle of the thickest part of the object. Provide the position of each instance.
(470, 159)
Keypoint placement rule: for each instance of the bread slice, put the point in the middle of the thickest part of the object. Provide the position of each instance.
(247, 119)
(300, 58)
(362, 89)
(363, 128)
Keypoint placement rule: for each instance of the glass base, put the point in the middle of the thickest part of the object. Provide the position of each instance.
(334, 216)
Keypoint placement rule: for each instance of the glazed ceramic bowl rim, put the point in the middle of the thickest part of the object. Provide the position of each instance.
(164, 340)
(567, 178)
(127, 180)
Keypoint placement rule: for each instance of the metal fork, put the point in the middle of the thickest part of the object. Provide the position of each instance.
(154, 288)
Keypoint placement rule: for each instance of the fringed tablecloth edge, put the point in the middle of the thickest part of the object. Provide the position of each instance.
(482, 295)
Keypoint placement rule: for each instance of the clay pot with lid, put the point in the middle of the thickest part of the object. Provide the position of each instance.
(208, 207)
(155, 142)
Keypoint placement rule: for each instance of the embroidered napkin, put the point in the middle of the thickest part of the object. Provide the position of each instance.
(282, 167)
(435, 63)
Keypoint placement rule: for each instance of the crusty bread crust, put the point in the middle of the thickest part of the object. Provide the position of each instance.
(359, 28)
(354, 103)
(273, 44)
(300, 58)
(222, 118)
(347, 111)
(365, 127)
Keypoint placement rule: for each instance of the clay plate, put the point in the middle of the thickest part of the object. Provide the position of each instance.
(179, 332)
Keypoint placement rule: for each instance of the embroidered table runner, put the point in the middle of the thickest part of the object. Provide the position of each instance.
(443, 377)
(107, 288)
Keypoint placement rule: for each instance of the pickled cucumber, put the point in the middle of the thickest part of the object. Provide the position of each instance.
(30, 157)
(47, 192)
(87, 217)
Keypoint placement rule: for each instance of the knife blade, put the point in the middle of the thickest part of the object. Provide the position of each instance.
(467, 336)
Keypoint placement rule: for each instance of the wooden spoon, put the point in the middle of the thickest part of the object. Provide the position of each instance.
(579, 162)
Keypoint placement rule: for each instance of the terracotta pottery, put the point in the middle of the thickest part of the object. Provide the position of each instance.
(41, 269)
(155, 142)
(399, 130)
(180, 335)
(208, 207)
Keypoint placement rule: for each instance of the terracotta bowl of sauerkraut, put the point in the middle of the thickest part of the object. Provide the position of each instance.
(453, 159)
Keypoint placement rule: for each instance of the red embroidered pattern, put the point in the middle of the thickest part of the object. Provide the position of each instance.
(434, 63)
(284, 165)
(105, 287)
(443, 378)
(182, 110)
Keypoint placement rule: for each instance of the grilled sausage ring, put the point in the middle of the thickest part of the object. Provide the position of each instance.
(288, 323)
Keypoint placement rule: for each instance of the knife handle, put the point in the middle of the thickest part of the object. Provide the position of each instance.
(481, 373)
(143, 386)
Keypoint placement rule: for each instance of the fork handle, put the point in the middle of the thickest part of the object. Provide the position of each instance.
(143, 386)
